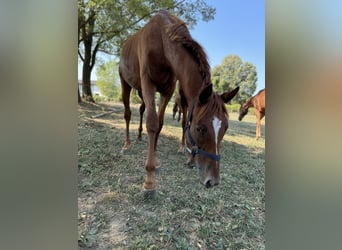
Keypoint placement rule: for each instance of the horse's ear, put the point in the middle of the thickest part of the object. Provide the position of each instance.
(226, 97)
(205, 94)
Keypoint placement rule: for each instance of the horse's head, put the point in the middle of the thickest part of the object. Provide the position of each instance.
(243, 111)
(205, 128)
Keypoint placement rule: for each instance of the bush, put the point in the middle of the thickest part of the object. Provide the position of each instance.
(98, 98)
(134, 98)
(234, 108)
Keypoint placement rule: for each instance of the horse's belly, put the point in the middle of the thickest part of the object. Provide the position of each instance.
(130, 74)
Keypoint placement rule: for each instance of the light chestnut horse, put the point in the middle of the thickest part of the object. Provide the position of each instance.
(151, 61)
(258, 102)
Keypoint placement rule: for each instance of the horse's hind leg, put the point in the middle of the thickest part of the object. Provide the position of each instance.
(141, 111)
(174, 109)
(164, 100)
(259, 124)
(126, 92)
(258, 118)
(258, 130)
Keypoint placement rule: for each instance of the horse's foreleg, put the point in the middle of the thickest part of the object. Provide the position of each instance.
(126, 91)
(179, 114)
(151, 162)
(184, 111)
(141, 110)
(152, 130)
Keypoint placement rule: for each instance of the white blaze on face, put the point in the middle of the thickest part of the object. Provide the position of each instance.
(216, 125)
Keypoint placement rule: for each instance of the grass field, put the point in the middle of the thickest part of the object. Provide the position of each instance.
(112, 213)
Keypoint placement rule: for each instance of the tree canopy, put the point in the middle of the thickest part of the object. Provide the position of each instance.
(103, 25)
(109, 22)
(232, 72)
(108, 80)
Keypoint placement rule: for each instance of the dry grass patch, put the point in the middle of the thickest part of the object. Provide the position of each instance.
(184, 215)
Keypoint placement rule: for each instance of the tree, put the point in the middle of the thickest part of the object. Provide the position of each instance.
(103, 25)
(108, 80)
(232, 72)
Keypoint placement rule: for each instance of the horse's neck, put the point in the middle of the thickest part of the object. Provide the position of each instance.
(250, 103)
(190, 80)
(186, 70)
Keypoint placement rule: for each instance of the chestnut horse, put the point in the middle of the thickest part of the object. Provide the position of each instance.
(177, 107)
(258, 102)
(151, 61)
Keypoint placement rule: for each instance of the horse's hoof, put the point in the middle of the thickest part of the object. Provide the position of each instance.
(150, 194)
(123, 151)
(181, 150)
(189, 165)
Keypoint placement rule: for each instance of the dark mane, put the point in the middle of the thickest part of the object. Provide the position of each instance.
(249, 103)
(178, 32)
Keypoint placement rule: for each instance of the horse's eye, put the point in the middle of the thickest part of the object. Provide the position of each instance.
(201, 129)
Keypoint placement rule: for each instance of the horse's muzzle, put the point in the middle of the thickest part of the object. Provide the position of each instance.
(210, 183)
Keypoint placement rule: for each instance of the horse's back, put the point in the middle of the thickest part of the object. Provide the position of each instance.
(143, 54)
(260, 98)
(149, 38)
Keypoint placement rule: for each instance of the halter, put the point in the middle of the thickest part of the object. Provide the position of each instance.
(194, 150)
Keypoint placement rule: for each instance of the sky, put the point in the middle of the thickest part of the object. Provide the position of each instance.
(238, 29)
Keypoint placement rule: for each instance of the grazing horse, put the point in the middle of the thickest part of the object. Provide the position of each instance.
(151, 61)
(177, 107)
(258, 102)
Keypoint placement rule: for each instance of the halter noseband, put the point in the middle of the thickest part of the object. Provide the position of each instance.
(194, 148)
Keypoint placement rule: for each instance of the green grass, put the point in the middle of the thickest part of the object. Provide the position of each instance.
(185, 215)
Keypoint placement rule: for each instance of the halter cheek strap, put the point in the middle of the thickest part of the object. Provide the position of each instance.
(194, 150)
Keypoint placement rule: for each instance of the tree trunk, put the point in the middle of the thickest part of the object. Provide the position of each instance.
(79, 96)
(87, 60)
(86, 73)
(86, 83)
